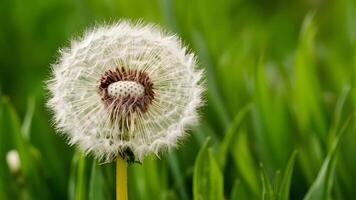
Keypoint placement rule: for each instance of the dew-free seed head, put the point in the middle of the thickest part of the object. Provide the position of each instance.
(13, 161)
(127, 89)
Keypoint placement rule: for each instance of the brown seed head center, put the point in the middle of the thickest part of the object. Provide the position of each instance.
(125, 91)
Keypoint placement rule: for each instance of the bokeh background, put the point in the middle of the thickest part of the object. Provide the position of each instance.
(281, 78)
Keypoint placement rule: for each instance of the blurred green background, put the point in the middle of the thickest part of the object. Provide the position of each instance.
(281, 78)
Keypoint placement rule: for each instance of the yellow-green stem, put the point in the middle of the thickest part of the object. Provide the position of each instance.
(121, 179)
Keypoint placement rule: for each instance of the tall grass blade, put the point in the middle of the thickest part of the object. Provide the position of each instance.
(285, 185)
(244, 162)
(322, 186)
(207, 178)
(230, 134)
(267, 187)
(96, 183)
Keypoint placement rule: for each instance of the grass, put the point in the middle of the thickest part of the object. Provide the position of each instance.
(280, 113)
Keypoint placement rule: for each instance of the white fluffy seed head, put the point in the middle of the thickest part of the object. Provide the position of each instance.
(13, 161)
(106, 128)
(126, 88)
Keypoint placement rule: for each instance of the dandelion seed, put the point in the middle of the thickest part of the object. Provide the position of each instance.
(127, 89)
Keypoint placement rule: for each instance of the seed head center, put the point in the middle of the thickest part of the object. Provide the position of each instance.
(126, 88)
(125, 92)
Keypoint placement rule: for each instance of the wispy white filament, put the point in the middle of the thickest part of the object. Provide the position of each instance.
(78, 109)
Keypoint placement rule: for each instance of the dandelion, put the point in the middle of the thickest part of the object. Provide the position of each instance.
(13, 161)
(125, 91)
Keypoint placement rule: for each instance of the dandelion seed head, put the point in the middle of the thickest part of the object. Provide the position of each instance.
(13, 161)
(127, 88)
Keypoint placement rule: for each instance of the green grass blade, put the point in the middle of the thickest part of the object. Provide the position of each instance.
(26, 125)
(148, 181)
(207, 178)
(244, 162)
(338, 114)
(71, 181)
(214, 96)
(80, 191)
(239, 191)
(320, 189)
(78, 177)
(322, 186)
(308, 104)
(229, 135)
(96, 183)
(6, 181)
(178, 176)
(287, 178)
(267, 187)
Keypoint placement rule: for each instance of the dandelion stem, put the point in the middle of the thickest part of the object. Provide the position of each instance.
(121, 178)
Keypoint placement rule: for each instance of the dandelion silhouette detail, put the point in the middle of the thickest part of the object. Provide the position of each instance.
(128, 89)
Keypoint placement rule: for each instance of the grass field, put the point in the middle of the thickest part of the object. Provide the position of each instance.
(279, 119)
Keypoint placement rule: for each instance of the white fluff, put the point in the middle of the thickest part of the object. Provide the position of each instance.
(82, 117)
(13, 161)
